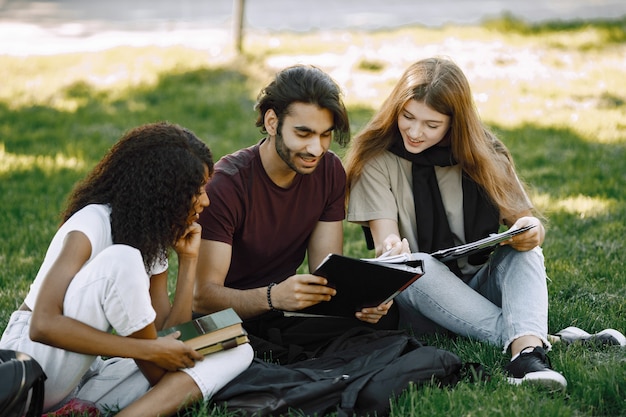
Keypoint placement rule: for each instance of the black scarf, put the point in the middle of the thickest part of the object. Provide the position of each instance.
(480, 216)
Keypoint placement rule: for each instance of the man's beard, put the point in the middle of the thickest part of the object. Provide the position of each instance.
(287, 155)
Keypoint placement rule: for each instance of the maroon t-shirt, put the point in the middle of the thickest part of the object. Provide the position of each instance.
(268, 226)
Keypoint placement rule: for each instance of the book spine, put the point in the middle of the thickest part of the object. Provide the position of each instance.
(227, 344)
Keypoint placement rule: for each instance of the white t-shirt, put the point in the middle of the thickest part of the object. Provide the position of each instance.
(94, 221)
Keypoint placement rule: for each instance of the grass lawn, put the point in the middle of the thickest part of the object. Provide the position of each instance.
(554, 92)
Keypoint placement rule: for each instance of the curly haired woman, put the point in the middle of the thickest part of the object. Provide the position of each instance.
(106, 269)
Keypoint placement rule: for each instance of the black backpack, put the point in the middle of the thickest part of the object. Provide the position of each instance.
(356, 374)
(21, 385)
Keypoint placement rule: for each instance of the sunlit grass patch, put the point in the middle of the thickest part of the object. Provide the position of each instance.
(14, 162)
(580, 205)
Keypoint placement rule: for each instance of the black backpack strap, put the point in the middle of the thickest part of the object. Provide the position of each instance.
(19, 375)
(475, 372)
(39, 377)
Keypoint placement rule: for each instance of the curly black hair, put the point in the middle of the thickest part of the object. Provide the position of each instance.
(149, 179)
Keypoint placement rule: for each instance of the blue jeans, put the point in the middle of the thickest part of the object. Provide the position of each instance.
(506, 299)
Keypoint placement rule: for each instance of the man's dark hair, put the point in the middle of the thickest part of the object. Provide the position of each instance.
(304, 84)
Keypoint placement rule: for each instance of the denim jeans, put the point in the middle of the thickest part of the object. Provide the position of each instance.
(506, 299)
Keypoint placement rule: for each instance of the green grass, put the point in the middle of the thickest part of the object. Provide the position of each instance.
(554, 92)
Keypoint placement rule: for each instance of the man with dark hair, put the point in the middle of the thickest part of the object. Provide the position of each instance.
(272, 204)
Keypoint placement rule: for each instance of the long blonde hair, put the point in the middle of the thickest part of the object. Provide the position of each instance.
(441, 85)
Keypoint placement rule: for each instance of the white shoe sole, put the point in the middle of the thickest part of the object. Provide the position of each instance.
(575, 334)
(551, 380)
(621, 339)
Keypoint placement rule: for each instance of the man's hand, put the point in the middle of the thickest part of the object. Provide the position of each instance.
(374, 314)
(300, 291)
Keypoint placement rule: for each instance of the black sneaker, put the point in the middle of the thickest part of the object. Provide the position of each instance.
(534, 367)
(605, 337)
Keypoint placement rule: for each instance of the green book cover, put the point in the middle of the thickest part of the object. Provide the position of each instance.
(205, 324)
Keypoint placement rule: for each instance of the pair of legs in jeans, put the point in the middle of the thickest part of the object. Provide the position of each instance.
(505, 300)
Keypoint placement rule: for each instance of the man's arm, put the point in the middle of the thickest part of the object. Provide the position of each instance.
(210, 295)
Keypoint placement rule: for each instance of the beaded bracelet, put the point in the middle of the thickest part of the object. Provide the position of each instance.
(269, 296)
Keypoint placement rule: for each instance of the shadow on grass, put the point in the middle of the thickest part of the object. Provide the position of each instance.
(582, 189)
(214, 103)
